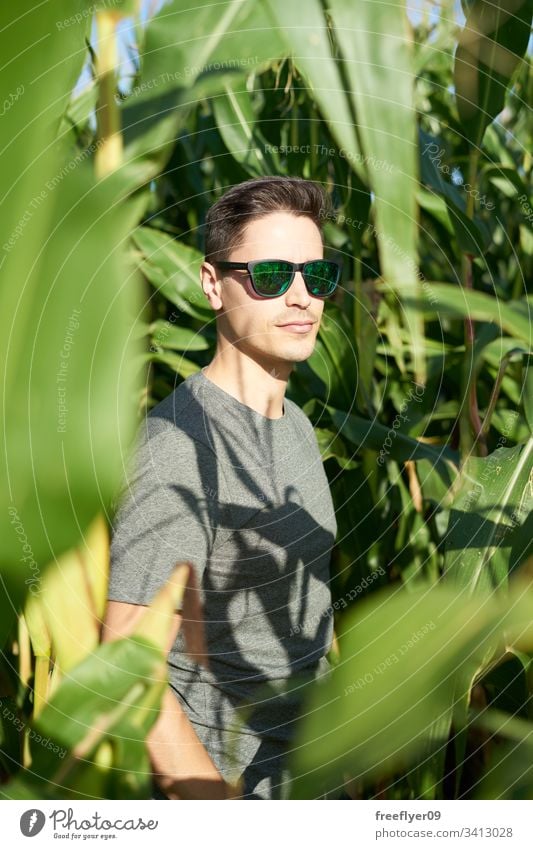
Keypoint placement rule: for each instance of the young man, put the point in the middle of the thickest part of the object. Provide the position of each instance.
(229, 476)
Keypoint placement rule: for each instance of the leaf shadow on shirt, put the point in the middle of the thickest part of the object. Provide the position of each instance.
(266, 600)
(263, 568)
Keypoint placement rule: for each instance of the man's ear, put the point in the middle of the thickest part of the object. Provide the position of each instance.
(211, 285)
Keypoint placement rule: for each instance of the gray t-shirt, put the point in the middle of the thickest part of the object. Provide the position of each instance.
(246, 499)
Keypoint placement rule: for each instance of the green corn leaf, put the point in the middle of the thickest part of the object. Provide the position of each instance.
(490, 47)
(402, 656)
(173, 269)
(492, 500)
(234, 114)
(441, 299)
(315, 56)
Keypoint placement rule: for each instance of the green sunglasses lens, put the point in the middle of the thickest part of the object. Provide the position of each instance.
(271, 278)
(321, 277)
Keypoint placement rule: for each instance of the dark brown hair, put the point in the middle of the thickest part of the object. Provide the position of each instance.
(227, 218)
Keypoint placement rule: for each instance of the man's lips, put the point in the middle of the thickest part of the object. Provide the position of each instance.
(297, 326)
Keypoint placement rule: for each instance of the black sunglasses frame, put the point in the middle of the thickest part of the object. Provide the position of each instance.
(296, 266)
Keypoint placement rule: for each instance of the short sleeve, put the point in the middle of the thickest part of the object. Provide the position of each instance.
(167, 511)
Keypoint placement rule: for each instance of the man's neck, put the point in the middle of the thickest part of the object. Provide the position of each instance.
(261, 387)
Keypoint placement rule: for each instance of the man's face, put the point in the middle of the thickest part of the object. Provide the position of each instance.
(254, 324)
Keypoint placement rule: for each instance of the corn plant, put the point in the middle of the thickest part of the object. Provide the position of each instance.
(419, 387)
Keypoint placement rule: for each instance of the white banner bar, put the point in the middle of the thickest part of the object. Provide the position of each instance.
(310, 824)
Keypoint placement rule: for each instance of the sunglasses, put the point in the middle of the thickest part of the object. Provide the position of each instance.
(272, 277)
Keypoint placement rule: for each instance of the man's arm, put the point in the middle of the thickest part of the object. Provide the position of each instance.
(180, 763)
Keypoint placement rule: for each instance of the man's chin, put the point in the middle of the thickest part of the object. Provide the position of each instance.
(299, 353)
(289, 360)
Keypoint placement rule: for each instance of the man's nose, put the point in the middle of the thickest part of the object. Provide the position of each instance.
(297, 292)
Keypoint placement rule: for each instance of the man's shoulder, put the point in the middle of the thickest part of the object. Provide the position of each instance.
(173, 408)
(179, 418)
(298, 415)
